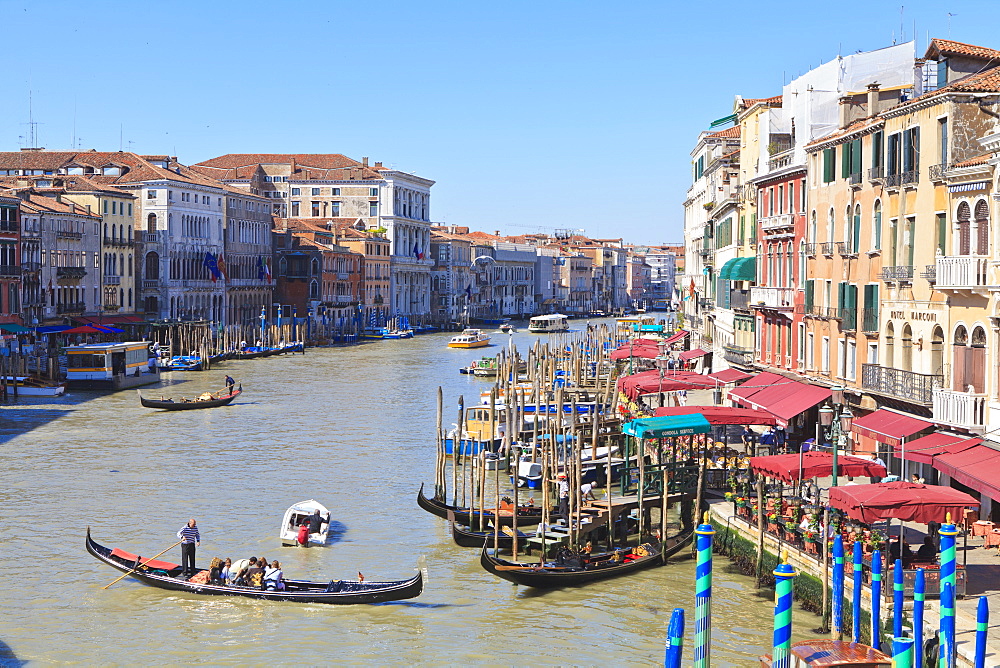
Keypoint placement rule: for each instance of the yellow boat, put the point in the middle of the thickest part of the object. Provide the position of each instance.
(469, 338)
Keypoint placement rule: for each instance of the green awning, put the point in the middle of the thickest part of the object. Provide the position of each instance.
(745, 269)
(731, 118)
(672, 425)
(14, 329)
(726, 273)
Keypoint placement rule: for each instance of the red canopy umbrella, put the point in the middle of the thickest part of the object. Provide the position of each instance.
(720, 414)
(671, 381)
(85, 329)
(907, 501)
(814, 465)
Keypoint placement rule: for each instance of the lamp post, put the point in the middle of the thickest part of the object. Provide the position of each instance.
(836, 422)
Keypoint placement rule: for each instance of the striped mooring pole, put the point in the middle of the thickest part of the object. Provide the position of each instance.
(703, 595)
(838, 588)
(947, 532)
(876, 599)
(856, 594)
(675, 639)
(946, 648)
(781, 653)
(897, 599)
(982, 622)
(919, 592)
(902, 653)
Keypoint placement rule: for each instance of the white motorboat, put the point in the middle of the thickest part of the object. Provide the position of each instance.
(299, 514)
(29, 386)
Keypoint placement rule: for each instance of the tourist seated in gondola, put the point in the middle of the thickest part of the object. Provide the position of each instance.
(254, 577)
(215, 571)
(274, 577)
(224, 573)
(238, 571)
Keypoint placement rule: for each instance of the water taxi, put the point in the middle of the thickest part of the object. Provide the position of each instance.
(469, 338)
(543, 324)
(110, 366)
(29, 386)
(508, 328)
(298, 515)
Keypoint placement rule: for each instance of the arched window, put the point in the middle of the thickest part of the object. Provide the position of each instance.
(937, 351)
(812, 227)
(890, 346)
(789, 265)
(960, 347)
(152, 266)
(151, 222)
(976, 354)
(856, 230)
(906, 363)
(877, 226)
(831, 226)
(982, 227)
(314, 290)
(964, 231)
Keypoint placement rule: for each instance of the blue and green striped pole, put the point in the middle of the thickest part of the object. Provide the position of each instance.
(948, 533)
(982, 622)
(877, 599)
(902, 653)
(703, 595)
(946, 649)
(675, 639)
(897, 599)
(919, 592)
(838, 587)
(781, 653)
(856, 597)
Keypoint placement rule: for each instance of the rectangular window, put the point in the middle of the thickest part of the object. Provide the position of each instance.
(150, 194)
(893, 157)
(841, 358)
(335, 209)
(845, 159)
(315, 192)
(373, 192)
(372, 209)
(943, 140)
(296, 191)
(877, 151)
(942, 73)
(295, 209)
(781, 199)
(825, 358)
(315, 210)
(335, 192)
(873, 353)
(811, 351)
(802, 195)
(105, 206)
(850, 366)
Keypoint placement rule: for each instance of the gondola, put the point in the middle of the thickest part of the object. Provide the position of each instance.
(576, 572)
(525, 514)
(164, 575)
(466, 537)
(191, 404)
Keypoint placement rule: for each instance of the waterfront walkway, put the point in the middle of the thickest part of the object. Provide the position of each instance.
(983, 573)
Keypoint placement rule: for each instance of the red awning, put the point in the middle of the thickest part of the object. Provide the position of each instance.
(719, 414)
(783, 397)
(730, 375)
(646, 348)
(646, 382)
(977, 467)
(754, 386)
(907, 501)
(815, 465)
(692, 354)
(889, 427)
(676, 336)
(924, 450)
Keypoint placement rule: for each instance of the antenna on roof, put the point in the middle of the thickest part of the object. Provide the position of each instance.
(32, 125)
(949, 25)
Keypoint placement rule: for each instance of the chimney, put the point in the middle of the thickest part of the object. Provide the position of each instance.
(873, 89)
(378, 164)
(497, 233)
(364, 162)
(918, 76)
(845, 112)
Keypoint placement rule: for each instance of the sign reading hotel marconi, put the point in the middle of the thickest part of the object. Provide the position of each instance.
(929, 316)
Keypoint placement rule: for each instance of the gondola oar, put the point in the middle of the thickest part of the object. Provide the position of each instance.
(143, 564)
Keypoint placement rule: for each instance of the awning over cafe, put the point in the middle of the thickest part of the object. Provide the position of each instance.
(660, 427)
(889, 427)
(730, 375)
(647, 382)
(783, 397)
(720, 414)
(814, 465)
(692, 354)
(924, 450)
(977, 467)
(646, 348)
(907, 501)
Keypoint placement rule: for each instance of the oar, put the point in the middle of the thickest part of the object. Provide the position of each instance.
(143, 564)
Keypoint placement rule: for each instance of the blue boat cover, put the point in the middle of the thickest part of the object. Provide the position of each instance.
(673, 425)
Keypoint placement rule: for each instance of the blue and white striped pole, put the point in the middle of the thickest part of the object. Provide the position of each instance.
(675, 639)
(877, 599)
(897, 599)
(919, 592)
(781, 653)
(838, 588)
(703, 595)
(946, 648)
(856, 595)
(982, 623)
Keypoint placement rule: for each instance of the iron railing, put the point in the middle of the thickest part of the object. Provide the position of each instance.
(869, 320)
(848, 319)
(738, 355)
(827, 247)
(899, 383)
(900, 273)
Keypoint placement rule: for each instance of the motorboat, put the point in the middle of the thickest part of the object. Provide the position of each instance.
(29, 386)
(543, 324)
(470, 338)
(508, 328)
(299, 514)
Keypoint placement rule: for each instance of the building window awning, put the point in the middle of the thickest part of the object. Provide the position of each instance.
(726, 272)
(745, 269)
(889, 427)
(13, 328)
(783, 397)
(924, 450)
(966, 187)
(731, 118)
(977, 467)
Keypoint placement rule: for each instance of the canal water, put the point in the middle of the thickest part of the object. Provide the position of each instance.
(350, 427)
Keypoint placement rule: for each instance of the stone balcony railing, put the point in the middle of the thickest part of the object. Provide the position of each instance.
(965, 272)
(112, 280)
(777, 222)
(960, 409)
(738, 355)
(897, 274)
(778, 299)
(151, 237)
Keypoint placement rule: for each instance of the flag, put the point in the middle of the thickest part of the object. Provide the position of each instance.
(222, 267)
(260, 268)
(416, 251)
(468, 291)
(267, 269)
(212, 265)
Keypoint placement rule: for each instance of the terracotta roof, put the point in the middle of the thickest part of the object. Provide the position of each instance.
(483, 236)
(732, 132)
(972, 162)
(39, 204)
(308, 166)
(731, 154)
(947, 47)
(51, 160)
(746, 103)
(448, 236)
(987, 81)
(853, 127)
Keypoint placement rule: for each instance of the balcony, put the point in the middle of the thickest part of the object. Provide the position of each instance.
(72, 307)
(845, 249)
(777, 222)
(705, 252)
(151, 237)
(827, 248)
(848, 319)
(929, 273)
(875, 174)
(112, 280)
(153, 284)
(343, 276)
(706, 303)
(964, 273)
(900, 274)
(66, 234)
(111, 307)
(936, 172)
(10, 270)
(869, 320)
(737, 355)
(775, 299)
(811, 249)
(115, 241)
(854, 179)
(71, 272)
(31, 267)
(902, 179)
(959, 409)
(907, 385)
(739, 300)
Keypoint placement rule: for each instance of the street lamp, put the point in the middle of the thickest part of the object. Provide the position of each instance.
(836, 422)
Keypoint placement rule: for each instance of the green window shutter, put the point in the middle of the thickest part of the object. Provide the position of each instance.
(810, 294)
(915, 149)
(942, 232)
(907, 151)
(856, 156)
(878, 229)
(828, 165)
(845, 160)
(840, 295)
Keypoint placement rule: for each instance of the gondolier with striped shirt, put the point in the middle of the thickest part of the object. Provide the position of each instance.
(189, 539)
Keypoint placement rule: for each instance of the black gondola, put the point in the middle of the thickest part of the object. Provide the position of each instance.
(165, 576)
(525, 514)
(190, 404)
(466, 537)
(579, 571)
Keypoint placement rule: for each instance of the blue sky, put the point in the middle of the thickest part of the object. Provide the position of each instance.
(528, 115)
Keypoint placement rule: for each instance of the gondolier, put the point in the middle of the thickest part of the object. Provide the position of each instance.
(230, 383)
(190, 538)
